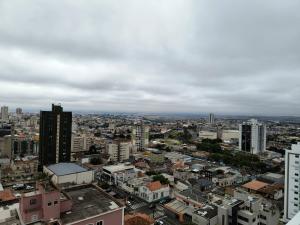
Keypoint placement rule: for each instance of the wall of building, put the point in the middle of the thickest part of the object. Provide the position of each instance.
(292, 182)
(77, 178)
(112, 218)
(51, 205)
(31, 212)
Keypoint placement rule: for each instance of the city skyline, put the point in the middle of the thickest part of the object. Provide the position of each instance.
(176, 56)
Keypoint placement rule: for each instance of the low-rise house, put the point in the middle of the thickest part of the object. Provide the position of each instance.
(118, 174)
(201, 184)
(271, 191)
(175, 157)
(154, 191)
(21, 168)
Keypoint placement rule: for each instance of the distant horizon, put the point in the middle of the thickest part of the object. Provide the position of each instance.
(157, 113)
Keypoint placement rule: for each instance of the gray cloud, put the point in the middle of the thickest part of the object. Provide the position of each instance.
(160, 56)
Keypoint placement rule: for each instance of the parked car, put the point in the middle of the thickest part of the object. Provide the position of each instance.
(159, 222)
(128, 203)
(18, 186)
(28, 187)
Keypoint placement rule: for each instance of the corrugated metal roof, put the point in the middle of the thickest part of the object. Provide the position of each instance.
(61, 169)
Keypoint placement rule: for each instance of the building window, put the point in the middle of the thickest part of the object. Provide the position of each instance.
(296, 199)
(49, 203)
(296, 192)
(296, 186)
(243, 218)
(32, 201)
(262, 217)
(296, 174)
(55, 202)
(99, 223)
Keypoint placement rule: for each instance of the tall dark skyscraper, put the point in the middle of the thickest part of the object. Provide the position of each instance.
(55, 136)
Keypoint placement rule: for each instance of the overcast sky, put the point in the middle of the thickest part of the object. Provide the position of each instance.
(240, 57)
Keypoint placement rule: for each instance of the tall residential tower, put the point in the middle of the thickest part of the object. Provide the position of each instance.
(4, 113)
(55, 136)
(140, 136)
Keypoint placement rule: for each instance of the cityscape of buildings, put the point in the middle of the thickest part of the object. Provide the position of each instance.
(59, 167)
(138, 112)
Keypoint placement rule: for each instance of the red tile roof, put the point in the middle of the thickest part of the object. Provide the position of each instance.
(6, 195)
(255, 185)
(138, 219)
(156, 185)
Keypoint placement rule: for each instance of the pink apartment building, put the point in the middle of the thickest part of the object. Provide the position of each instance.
(81, 205)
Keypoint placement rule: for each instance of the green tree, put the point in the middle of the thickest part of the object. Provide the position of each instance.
(160, 178)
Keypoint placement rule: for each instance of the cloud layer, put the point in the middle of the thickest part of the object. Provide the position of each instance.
(151, 56)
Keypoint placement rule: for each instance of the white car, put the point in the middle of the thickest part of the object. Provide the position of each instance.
(128, 203)
(18, 195)
(28, 187)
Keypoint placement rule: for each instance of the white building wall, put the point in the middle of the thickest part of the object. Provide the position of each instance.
(292, 182)
(85, 177)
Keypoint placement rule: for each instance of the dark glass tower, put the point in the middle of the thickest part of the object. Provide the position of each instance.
(55, 136)
(246, 138)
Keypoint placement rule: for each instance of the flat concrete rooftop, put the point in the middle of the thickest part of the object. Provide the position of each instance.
(88, 201)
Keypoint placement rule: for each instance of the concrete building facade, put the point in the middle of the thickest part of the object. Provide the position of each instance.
(118, 151)
(292, 182)
(252, 137)
(140, 136)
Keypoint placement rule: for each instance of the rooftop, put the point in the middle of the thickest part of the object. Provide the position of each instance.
(177, 206)
(255, 185)
(88, 200)
(6, 195)
(118, 168)
(156, 185)
(61, 169)
(208, 211)
(195, 195)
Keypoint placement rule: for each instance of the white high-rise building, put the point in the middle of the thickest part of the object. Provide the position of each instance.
(4, 113)
(252, 137)
(211, 118)
(118, 151)
(81, 143)
(140, 136)
(292, 184)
